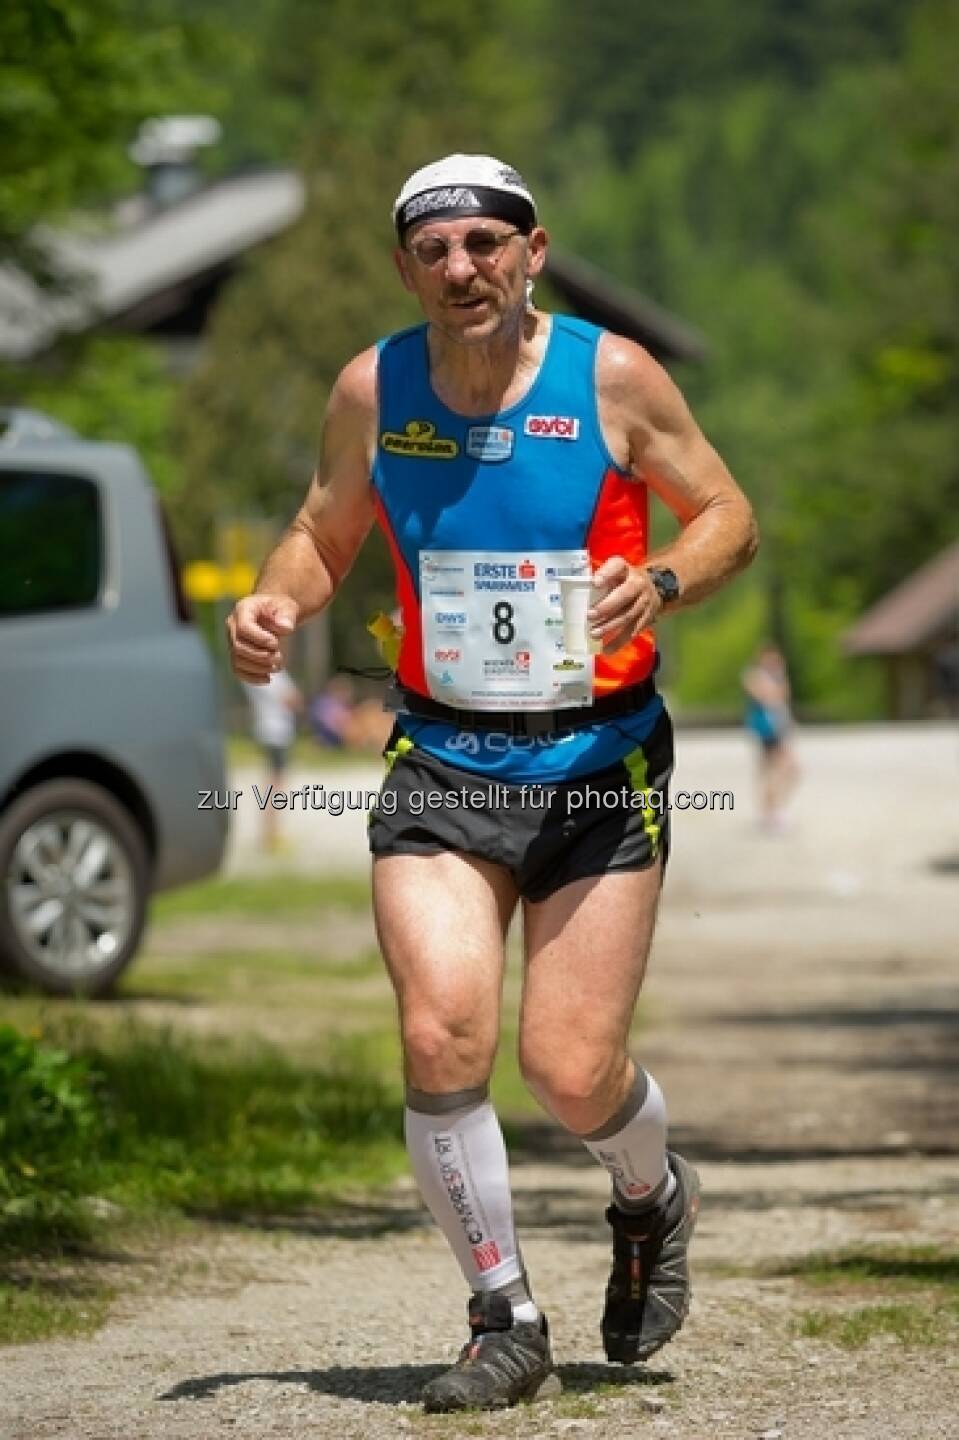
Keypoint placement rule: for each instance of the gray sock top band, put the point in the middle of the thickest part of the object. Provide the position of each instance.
(426, 1104)
(631, 1106)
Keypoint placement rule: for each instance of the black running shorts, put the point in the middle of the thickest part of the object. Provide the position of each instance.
(545, 835)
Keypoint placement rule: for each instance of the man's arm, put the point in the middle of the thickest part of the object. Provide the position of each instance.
(303, 572)
(651, 431)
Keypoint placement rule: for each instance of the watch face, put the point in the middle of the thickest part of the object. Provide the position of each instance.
(666, 583)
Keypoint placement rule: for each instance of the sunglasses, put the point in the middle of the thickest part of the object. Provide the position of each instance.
(482, 246)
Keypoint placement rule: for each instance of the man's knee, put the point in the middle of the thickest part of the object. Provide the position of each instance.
(577, 1083)
(444, 1052)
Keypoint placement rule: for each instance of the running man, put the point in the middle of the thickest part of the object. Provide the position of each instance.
(499, 447)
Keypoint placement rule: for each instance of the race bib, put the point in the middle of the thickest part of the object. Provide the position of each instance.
(493, 630)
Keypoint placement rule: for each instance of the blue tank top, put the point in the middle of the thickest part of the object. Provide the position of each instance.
(535, 476)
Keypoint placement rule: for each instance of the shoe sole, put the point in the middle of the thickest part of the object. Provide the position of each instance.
(546, 1389)
(623, 1348)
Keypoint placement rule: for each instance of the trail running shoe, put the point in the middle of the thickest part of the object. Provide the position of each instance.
(647, 1298)
(503, 1362)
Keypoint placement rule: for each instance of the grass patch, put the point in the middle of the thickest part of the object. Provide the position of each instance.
(894, 1265)
(161, 1129)
(156, 1123)
(924, 1276)
(275, 896)
(40, 1309)
(227, 1129)
(578, 1406)
(248, 975)
(911, 1324)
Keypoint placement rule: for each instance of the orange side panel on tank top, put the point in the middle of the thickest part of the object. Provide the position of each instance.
(620, 526)
(411, 670)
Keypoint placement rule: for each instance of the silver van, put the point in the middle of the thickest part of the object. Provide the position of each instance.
(108, 714)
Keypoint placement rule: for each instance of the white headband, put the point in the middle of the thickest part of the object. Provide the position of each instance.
(464, 185)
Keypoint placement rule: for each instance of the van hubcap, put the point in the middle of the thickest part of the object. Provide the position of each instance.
(72, 896)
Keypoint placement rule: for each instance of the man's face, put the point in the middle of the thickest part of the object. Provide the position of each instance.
(470, 274)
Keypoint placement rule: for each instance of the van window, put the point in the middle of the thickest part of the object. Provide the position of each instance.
(51, 542)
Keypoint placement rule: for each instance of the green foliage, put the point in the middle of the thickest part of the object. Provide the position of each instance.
(221, 1128)
(48, 1114)
(834, 688)
(700, 51)
(156, 1122)
(109, 387)
(706, 654)
(48, 1118)
(820, 264)
(76, 76)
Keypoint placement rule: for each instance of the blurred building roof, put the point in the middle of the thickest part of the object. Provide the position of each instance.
(162, 272)
(915, 612)
(595, 295)
(140, 276)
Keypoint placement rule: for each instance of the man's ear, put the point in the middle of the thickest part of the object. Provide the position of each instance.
(537, 247)
(401, 260)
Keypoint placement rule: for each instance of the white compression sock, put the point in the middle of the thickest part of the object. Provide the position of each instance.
(458, 1156)
(632, 1147)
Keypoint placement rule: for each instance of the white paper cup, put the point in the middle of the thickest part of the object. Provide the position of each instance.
(577, 593)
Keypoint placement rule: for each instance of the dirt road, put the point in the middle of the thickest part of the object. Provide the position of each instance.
(800, 1015)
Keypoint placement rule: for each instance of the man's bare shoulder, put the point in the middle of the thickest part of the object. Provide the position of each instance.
(628, 377)
(354, 391)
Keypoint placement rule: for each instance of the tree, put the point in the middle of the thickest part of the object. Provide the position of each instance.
(115, 388)
(626, 68)
(76, 77)
(808, 230)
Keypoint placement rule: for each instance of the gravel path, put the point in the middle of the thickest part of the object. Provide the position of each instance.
(801, 1017)
(333, 1331)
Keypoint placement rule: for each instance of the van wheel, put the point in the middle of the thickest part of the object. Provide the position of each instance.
(74, 883)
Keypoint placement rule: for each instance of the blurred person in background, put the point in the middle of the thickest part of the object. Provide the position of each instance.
(274, 708)
(769, 719)
(499, 446)
(338, 719)
(331, 712)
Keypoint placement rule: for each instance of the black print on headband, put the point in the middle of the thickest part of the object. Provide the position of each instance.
(446, 201)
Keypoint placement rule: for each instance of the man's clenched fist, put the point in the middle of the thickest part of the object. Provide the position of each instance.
(254, 629)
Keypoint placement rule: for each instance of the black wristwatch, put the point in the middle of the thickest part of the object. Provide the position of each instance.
(667, 586)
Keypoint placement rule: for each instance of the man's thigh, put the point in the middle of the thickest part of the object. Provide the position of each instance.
(441, 920)
(586, 950)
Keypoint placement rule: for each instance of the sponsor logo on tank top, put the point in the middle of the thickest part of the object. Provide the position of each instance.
(552, 427)
(489, 443)
(419, 441)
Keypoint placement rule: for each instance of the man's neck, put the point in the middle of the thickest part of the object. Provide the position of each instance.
(481, 379)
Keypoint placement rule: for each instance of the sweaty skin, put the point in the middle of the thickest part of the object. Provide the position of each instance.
(485, 348)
